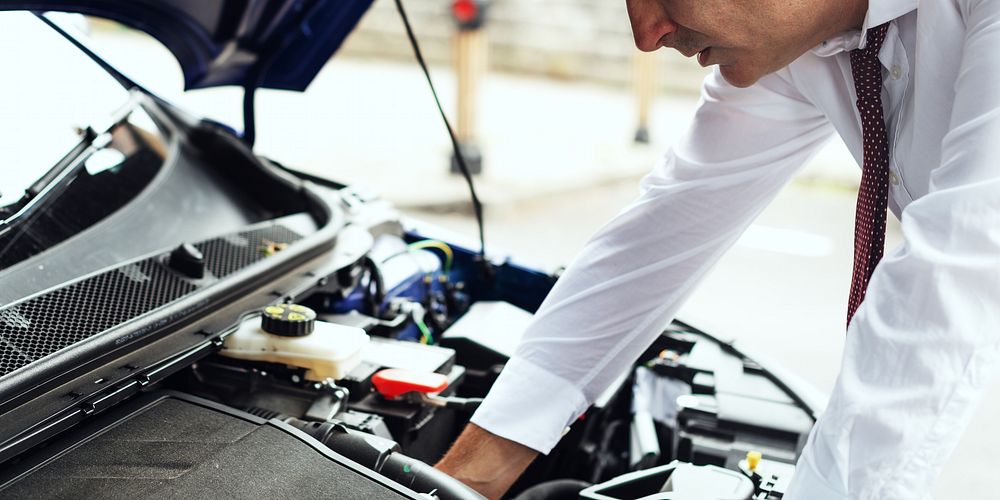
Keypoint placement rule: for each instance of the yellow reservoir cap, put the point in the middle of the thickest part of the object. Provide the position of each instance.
(288, 320)
(753, 460)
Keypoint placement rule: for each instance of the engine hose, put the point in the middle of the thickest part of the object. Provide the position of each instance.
(559, 489)
(382, 456)
(421, 477)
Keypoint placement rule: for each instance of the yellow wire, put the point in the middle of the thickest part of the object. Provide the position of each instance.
(440, 245)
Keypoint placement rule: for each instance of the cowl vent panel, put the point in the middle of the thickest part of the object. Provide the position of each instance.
(42, 325)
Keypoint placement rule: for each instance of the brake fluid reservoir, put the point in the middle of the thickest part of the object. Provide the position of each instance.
(289, 334)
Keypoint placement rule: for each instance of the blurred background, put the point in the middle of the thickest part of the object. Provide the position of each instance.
(553, 96)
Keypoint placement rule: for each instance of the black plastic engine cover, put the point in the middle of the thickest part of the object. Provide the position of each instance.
(171, 445)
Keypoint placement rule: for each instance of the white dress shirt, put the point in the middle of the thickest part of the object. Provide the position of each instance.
(923, 344)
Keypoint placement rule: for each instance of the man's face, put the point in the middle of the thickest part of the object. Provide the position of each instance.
(746, 38)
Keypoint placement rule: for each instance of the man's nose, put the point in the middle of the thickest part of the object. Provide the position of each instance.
(651, 31)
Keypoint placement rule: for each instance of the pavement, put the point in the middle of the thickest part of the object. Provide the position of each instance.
(374, 123)
(538, 137)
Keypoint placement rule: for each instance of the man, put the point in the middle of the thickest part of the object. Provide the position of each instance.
(912, 88)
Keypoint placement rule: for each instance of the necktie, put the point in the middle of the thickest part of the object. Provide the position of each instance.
(873, 196)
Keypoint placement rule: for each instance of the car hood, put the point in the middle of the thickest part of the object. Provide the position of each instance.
(279, 44)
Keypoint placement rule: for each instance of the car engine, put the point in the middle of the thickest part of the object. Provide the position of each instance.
(284, 335)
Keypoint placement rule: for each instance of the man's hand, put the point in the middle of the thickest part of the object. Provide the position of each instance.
(486, 462)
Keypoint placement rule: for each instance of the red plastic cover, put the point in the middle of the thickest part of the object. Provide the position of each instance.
(394, 382)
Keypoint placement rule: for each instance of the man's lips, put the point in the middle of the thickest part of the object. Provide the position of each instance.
(703, 56)
(687, 52)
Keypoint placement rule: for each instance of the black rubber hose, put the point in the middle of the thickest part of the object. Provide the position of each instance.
(380, 455)
(421, 477)
(559, 489)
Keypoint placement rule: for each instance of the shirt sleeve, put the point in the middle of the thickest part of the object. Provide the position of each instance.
(631, 277)
(923, 345)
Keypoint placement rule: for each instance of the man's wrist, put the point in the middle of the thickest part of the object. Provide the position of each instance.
(486, 462)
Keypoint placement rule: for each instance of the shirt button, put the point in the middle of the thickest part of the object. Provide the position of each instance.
(896, 72)
(893, 178)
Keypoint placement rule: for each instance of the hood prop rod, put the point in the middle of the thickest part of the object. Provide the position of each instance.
(477, 206)
(126, 82)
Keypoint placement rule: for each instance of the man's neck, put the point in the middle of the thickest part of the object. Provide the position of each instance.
(833, 18)
(828, 19)
(855, 14)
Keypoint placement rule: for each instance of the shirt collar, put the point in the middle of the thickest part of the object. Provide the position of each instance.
(879, 12)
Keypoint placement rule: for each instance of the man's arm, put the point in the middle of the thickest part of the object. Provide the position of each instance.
(488, 463)
(925, 342)
(629, 280)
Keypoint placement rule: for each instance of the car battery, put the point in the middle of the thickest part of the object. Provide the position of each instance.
(424, 431)
(387, 353)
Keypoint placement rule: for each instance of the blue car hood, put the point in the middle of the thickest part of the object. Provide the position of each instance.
(279, 44)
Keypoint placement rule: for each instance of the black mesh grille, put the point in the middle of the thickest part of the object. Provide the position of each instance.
(45, 324)
(10, 358)
(41, 326)
(229, 254)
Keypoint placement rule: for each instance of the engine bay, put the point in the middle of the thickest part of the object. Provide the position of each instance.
(346, 338)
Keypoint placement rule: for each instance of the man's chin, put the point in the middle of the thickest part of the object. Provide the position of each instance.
(739, 76)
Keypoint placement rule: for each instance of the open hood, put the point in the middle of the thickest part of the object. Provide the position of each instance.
(279, 44)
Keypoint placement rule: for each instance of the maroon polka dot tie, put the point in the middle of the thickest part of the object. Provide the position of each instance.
(873, 196)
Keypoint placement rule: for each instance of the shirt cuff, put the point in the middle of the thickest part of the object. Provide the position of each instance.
(530, 405)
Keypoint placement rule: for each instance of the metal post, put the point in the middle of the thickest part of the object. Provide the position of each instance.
(644, 86)
(471, 61)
